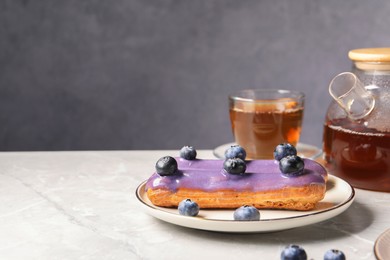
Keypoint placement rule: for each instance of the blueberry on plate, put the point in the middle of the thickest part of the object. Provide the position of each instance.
(235, 151)
(283, 150)
(246, 213)
(293, 252)
(188, 207)
(234, 166)
(291, 165)
(188, 153)
(166, 165)
(334, 254)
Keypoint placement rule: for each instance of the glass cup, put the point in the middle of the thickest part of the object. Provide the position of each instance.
(263, 118)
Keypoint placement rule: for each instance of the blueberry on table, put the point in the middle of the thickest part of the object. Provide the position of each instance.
(283, 150)
(334, 254)
(166, 165)
(234, 166)
(188, 153)
(293, 252)
(188, 207)
(246, 213)
(235, 151)
(291, 165)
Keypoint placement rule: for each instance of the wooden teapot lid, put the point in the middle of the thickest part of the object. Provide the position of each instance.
(370, 55)
(371, 58)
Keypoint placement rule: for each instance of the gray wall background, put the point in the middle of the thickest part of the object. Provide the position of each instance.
(141, 74)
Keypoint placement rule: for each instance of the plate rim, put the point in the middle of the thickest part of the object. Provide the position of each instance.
(345, 203)
(378, 241)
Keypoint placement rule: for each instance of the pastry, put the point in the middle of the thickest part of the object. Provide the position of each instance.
(262, 185)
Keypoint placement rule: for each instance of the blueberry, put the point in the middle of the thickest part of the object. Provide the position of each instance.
(166, 165)
(293, 252)
(334, 254)
(188, 153)
(283, 150)
(246, 213)
(291, 165)
(188, 207)
(234, 166)
(235, 151)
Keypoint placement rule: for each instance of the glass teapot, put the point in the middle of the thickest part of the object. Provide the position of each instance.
(356, 141)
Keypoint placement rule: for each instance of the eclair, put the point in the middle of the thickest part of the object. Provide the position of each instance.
(262, 185)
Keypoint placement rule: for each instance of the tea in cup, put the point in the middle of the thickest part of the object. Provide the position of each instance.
(263, 118)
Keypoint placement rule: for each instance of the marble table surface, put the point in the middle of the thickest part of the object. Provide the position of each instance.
(82, 205)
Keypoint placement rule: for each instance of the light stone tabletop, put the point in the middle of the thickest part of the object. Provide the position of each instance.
(82, 205)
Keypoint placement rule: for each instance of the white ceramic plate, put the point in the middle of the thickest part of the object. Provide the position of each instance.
(304, 150)
(382, 246)
(338, 198)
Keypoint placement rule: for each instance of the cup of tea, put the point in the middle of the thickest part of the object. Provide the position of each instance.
(263, 118)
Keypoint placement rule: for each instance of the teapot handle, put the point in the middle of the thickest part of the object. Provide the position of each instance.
(350, 94)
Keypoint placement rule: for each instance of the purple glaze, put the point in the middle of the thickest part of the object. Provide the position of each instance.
(260, 175)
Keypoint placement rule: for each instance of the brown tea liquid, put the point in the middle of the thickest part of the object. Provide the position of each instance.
(261, 129)
(358, 154)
